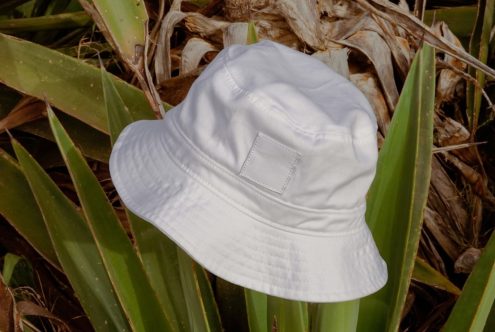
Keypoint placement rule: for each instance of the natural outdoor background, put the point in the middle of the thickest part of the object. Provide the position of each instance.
(74, 73)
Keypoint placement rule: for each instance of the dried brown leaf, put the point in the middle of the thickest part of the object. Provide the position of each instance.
(369, 86)
(449, 132)
(7, 322)
(467, 260)
(344, 28)
(303, 18)
(374, 47)
(418, 29)
(28, 109)
(235, 33)
(445, 199)
(175, 89)
(473, 177)
(339, 9)
(193, 52)
(243, 10)
(336, 59)
(431, 254)
(399, 46)
(162, 56)
(441, 231)
(205, 26)
(273, 27)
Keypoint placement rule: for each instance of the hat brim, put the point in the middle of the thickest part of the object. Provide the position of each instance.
(230, 243)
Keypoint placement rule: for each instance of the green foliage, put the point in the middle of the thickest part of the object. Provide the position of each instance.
(126, 26)
(18, 205)
(342, 317)
(256, 304)
(67, 83)
(478, 47)
(471, 310)
(151, 284)
(138, 299)
(49, 22)
(17, 271)
(423, 272)
(397, 197)
(173, 275)
(252, 36)
(75, 247)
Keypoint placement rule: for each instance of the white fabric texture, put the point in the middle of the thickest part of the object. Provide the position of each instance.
(261, 174)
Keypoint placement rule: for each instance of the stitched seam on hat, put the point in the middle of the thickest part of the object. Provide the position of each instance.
(374, 278)
(259, 192)
(241, 208)
(252, 157)
(286, 117)
(291, 171)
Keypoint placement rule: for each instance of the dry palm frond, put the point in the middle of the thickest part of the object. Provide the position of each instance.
(192, 54)
(337, 59)
(376, 50)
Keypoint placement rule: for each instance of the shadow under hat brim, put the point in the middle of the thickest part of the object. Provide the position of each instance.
(231, 243)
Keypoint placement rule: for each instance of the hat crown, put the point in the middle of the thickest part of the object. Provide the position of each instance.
(284, 123)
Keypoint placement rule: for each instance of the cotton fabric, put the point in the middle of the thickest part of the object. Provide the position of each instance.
(261, 175)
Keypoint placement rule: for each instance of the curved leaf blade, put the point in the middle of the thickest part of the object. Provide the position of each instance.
(256, 305)
(286, 315)
(158, 253)
(336, 317)
(202, 312)
(425, 273)
(67, 83)
(126, 26)
(125, 270)
(75, 248)
(471, 310)
(18, 206)
(397, 197)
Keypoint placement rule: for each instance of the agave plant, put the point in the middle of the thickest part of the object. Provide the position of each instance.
(101, 65)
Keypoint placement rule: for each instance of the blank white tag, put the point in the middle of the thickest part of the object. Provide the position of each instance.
(270, 163)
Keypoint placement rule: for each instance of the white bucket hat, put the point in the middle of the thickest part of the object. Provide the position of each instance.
(261, 174)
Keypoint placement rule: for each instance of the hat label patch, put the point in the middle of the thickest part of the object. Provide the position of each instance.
(270, 163)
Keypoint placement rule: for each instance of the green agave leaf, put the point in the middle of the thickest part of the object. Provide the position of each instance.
(337, 317)
(159, 256)
(286, 315)
(397, 197)
(126, 26)
(478, 47)
(93, 143)
(425, 273)
(67, 83)
(124, 268)
(9, 263)
(202, 311)
(471, 310)
(158, 253)
(459, 19)
(257, 310)
(7, 5)
(490, 322)
(75, 248)
(252, 36)
(205, 293)
(18, 206)
(48, 22)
